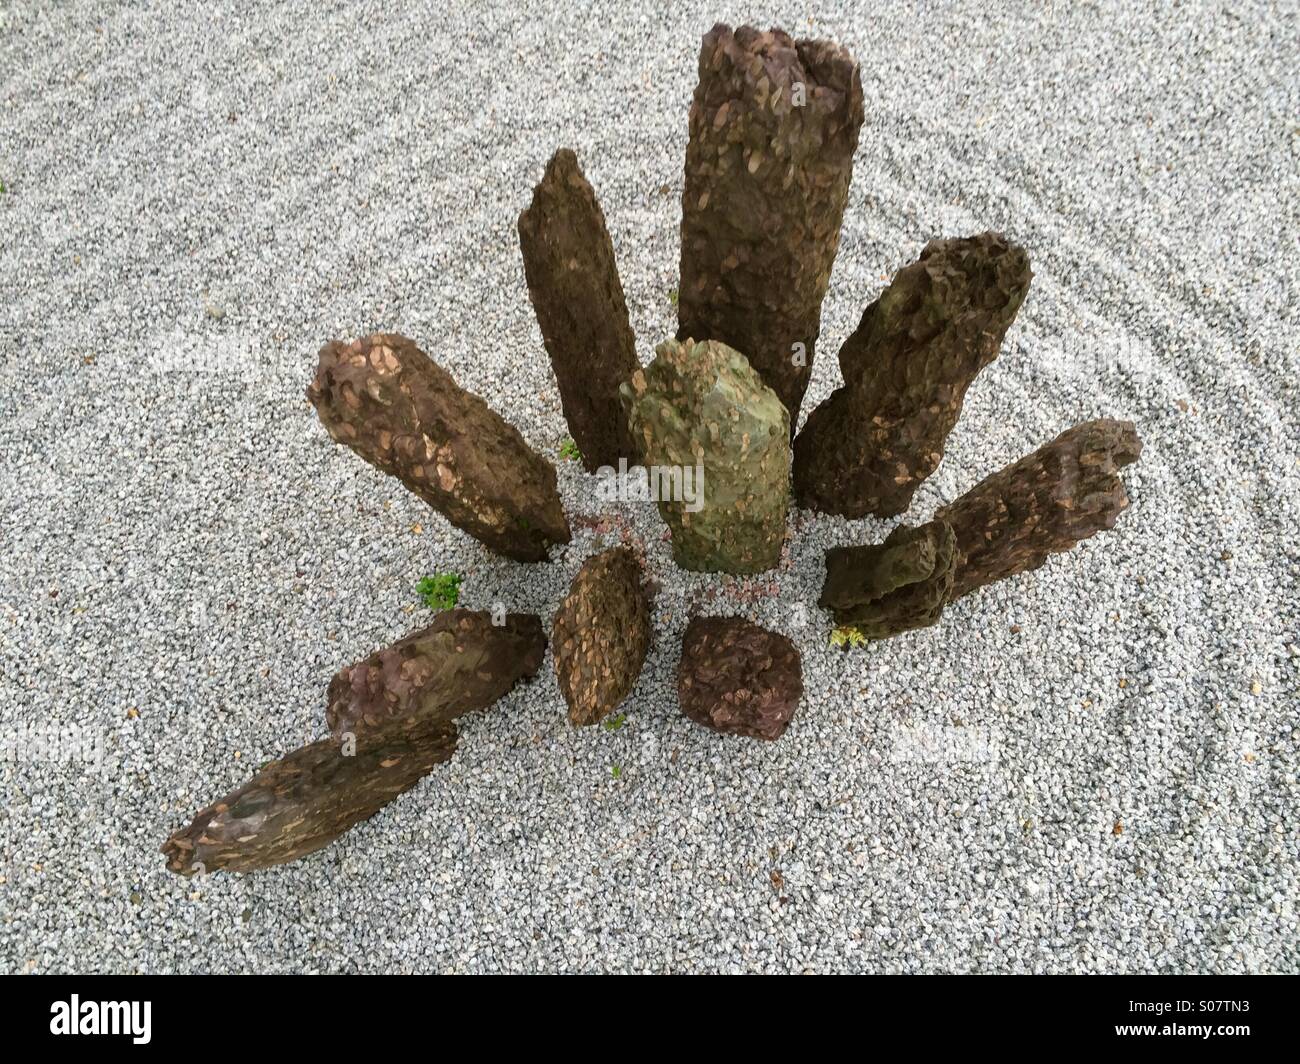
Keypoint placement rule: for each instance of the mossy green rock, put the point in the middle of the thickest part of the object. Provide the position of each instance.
(700, 414)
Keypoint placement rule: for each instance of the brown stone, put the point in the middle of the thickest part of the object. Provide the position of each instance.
(403, 413)
(773, 128)
(738, 678)
(574, 286)
(601, 634)
(906, 368)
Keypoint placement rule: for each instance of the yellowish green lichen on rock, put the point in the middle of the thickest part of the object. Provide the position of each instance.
(715, 440)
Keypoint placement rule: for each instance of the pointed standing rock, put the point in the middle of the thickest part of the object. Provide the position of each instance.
(574, 286)
(307, 799)
(738, 678)
(716, 440)
(773, 128)
(460, 663)
(906, 368)
(1047, 502)
(894, 586)
(601, 634)
(403, 413)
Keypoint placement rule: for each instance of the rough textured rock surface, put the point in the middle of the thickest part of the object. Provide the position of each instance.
(573, 283)
(402, 412)
(700, 409)
(1047, 502)
(738, 678)
(601, 634)
(894, 586)
(307, 799)
(906, 368)
(773, 128)
(460, 663)
(391, 716)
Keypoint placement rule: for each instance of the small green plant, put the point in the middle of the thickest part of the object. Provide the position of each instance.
(616, 771)
(440, 591)
(673, 296)
(614, 723)
(569, 450)
(847, 637)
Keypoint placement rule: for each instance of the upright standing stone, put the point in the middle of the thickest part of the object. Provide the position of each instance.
(601, 634)
(716, 437)
(773, 128)
(906, 368)
(573, 283)
(403, 413)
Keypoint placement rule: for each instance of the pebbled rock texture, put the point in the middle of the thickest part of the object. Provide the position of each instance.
(906, 368)
(1047, 502)
(773, 128)
(700, 411)
(574, 286)
(403, 413)
(738, 678)
(895, 586)
(601, 634)
(307, 799)
(460, 663)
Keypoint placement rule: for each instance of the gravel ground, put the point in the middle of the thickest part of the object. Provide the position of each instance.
(1089, 768)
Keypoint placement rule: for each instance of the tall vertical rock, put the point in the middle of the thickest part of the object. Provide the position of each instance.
(1064, 492)
(403, 413)
(601, 634)
(716, 437)
(773, 128)
(574, 286)
(906, 368)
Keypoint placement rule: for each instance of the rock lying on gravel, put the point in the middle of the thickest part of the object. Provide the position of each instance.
(1009, 523)
(1047, 502)
(574, 286)
(703, 418)
(892, 587)
(773, 128)
(402, 412)
(391, 715)
(601, 634)
(307, 799)
(906, 368)
(738, 678)
(460, 663)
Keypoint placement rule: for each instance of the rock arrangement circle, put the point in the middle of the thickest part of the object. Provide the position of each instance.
(708, 426)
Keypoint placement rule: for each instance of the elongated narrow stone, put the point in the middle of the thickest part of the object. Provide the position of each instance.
(892, 587)
(773, 128)
(601, 634)
(715, 440)
(460, 663)
(574, 286)
(392, 718)
(906, 368)
(307, 799)
(403, 413)
(1047, 502)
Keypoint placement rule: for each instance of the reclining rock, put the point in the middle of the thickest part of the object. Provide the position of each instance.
(402, 412)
